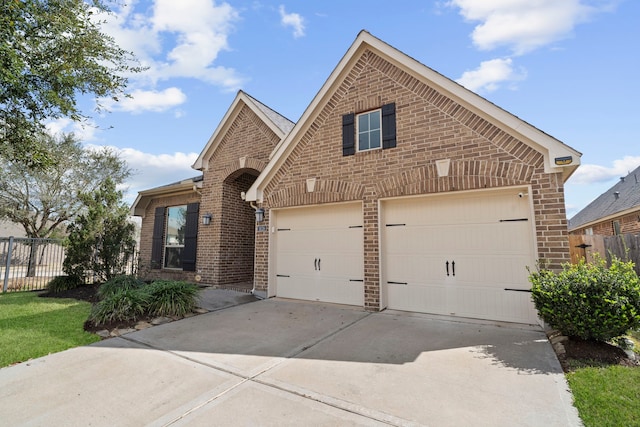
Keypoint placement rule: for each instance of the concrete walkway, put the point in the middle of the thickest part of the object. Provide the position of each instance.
(279, 362)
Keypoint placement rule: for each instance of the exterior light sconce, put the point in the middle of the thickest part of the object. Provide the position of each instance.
(259, 215)
(206, 219)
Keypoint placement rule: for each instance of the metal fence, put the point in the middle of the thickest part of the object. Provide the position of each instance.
(29, 264)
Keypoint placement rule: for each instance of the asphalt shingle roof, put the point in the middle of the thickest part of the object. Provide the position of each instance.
(628, 197)
(284, 124)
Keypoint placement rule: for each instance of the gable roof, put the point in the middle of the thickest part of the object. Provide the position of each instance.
(621, 198)
(139, 206)
(279, 124)
(540, 141)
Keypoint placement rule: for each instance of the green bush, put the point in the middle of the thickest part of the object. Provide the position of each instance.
(171, 298)
(589, 300)
(63, 283)
(119, 283)
(121, 305)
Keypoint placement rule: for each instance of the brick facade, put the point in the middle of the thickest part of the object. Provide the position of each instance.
(629, 224)
(225, 250)
(226, 246)
(430, 127)
(146, 234)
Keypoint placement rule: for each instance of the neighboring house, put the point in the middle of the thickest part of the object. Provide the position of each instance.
(616, 211)
(8, 229)
(397, 188)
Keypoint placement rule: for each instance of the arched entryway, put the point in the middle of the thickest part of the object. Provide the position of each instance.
(237, 237)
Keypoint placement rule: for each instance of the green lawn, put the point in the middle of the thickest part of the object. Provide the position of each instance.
(607, 396)
(31, 326)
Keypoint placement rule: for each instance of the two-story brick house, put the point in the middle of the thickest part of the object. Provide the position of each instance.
(397, 188)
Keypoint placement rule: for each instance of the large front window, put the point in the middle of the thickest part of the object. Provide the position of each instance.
(369, 131)
(174, 236)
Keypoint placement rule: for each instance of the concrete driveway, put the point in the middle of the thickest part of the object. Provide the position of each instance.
(281, 362)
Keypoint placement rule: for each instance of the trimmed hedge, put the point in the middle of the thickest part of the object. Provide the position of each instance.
(589, 300)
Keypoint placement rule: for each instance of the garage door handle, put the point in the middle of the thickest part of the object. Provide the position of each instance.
(319, 260)
(447, 264)
(315, 264)
(453, 267)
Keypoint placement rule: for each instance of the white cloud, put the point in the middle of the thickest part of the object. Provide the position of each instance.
(292, 20)
(490, 74)
(176, 39)
(85, 130)
(590, 174)
(147, 100)
(153, 170)
(525, 25)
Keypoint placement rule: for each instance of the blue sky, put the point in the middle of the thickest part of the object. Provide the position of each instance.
(568, 67)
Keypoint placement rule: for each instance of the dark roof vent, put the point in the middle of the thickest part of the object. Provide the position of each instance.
(616, 194)
(622, 178)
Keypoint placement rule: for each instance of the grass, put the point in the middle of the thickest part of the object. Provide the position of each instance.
(32, 327)
(607, 396)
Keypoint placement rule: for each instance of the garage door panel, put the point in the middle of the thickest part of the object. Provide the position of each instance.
(487, 235)
(319, 253)
(411, 297)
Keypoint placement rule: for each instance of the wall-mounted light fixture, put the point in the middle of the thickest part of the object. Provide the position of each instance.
(206, 219)
(259, 215)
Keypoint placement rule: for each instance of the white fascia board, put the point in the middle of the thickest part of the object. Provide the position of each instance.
(607, 218)
(550, 147)
(541, 142)
(255, 194)
(202, 161)
(139, 206)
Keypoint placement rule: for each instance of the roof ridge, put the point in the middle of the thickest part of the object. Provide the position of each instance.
(278, 119)
(623, 195)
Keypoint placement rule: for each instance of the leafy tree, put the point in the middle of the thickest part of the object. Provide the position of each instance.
(51, 51)
(42, 200)
(101, 239)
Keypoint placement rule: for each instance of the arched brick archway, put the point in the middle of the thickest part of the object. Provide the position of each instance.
(237, 232)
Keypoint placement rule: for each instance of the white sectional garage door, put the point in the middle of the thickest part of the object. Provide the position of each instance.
(319, 253)
(463, 255)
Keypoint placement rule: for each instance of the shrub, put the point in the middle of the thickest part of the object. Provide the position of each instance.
(171, 298)
(589, 300)
(63, 283)
(119, 283)
(121, 305)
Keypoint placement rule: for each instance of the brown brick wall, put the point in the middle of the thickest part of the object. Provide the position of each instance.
(430, 127)
(629, 224)
(146, 235)
(226, 246)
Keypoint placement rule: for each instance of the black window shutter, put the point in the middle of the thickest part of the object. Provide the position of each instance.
(389, 125)
(348, 135)
(157, 240)
(190, 238)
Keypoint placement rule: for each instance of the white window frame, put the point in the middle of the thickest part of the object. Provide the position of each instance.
(357, 118)
(166, 245)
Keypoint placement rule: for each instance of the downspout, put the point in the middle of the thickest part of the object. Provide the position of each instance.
(255, 208)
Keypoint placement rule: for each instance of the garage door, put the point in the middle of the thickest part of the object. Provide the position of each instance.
(463, 255)
(319, 253)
